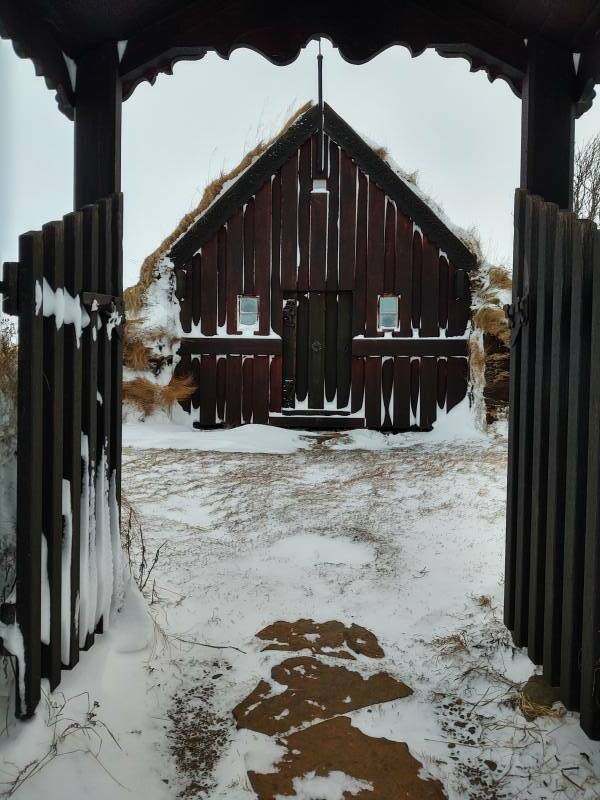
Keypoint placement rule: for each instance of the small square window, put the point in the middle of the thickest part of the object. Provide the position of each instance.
(388, 313)
(248, 312)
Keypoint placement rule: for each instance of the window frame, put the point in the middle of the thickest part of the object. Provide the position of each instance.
(256, 324)
(380, 327)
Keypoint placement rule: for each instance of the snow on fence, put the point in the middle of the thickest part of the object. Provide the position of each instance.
(552, 582)
(67, 292)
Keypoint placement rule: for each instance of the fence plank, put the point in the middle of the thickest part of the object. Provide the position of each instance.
(29, 470)
(275, 384)
(208, 390)
(186, 304)
(443, 292)
(195, 275)
(302, 333)
(513, 419)
(52, 456)
(430, 298)
(73, 372)
(576, 462)
(221, 387)
(316, 349)
(557, 432)
(247, 389)
(389, 258)
(442, 381)
(331, 342)
(358, 384)
(415, 369)
(304, 190)
(222, 277)
(290, 321)
(249, 247)
(590, 640)
(458, 374)
(387, 385)
(318, 241)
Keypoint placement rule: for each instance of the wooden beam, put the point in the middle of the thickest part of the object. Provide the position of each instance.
(98, 102)
(548, 123)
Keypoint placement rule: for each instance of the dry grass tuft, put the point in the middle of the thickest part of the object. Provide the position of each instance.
(451, 644)
(382, 152)
(150, 397)
(492, 320)
(8, 382)
(135, 295)
(499, 278)
(532, 710)
(136, 355)
(476, 359)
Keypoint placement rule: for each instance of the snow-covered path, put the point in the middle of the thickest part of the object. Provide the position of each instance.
(401, 535)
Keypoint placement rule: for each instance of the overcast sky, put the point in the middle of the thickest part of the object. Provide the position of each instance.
(459, 132)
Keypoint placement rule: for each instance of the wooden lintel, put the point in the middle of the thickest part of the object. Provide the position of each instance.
(231, 345)
(410, 347)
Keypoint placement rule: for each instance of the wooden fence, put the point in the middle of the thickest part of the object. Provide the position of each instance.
(67, 292)
(552, 581)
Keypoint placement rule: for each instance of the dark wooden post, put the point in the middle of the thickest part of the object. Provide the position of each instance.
(548, 123)
(98, 99)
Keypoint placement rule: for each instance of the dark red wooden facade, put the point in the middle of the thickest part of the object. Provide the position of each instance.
(318, 250)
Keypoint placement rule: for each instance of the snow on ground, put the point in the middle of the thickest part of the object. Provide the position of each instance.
(403, 535)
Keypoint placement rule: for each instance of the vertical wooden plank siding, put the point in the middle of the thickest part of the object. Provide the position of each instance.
(401, 393)
(318, 241)
(247, 389)
(29, 469)
(73, 371)
(430, 290)
(261, 390)
(541, 409)
(52, 454)
(590, 638)
(582, 279)
(302, 334)
(262, 247)
(208, 390)
(208, 300)
(526, 387)
(235, 261)
(305, 186)
(221, 387)
(233, 403)
(443, 292)
(333, 187)
(557, 432)
(513, 420)
(316, 349)
(91, 231)
(458, 373)
(289, 224)
(331, 343)
(249, 231)
(417, 275)
(360, 280)
(428, 394)
(290, 320)
(404, 270)
(344, 349)
(195, 273)
(117, 359)
(375, 256)
(187, 304)
(197, 377)
(222, 277)
(387, 384)
(373, 392)
(276, 293)
(275, 384)
(415, 368)
(442, 382)
(347, 253)
(389, 258)
(358, 384)
(183, 369)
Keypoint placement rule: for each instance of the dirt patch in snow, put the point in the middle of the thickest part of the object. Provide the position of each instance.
(322, 638)
(315, 691)
(335, 746)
